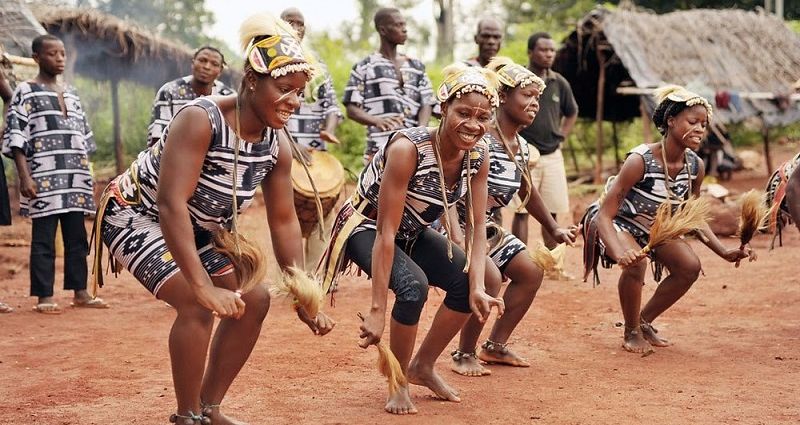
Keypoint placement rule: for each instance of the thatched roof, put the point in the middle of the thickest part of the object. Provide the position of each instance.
(707, 50)
(18, 28)
(106, 47)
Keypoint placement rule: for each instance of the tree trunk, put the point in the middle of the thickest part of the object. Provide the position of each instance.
(445, 33)
(119, 150)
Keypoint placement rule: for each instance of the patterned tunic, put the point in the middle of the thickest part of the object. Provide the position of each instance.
(57, 147)
(374, 85)
(130, 225)
(505, 180)
(309, 118)
(171, 97)
(423, 204)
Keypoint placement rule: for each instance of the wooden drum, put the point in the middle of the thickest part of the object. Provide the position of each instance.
(329, 178)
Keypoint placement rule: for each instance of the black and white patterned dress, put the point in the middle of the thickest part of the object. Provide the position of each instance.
(56, 144)
(171, 97)
(505, 180)
(638, 209)
(131, 227)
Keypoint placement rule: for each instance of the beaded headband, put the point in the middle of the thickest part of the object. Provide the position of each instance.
(277, 56)
(467, 81)
(515, 75)
(681, 95)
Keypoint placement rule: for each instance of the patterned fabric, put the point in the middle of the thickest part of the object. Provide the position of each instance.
(638, 209)
(130, 227)
(309, 118)
(57, 146)
(776, 193)
(505, 180)
(471, 79)
(171, 97)
(375, 86)
(269, 55)
(423, 203)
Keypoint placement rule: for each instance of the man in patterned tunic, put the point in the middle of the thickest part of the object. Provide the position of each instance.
(207, 66)
(313, 124)
(388, 91)
(49, 138)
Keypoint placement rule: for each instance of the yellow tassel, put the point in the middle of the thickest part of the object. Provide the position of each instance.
(249, 264)
(754, 215)
(304, 290)
(389, 366)
(692, 214)
(547, 260)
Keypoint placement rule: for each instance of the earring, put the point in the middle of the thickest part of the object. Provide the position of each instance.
(252, 88)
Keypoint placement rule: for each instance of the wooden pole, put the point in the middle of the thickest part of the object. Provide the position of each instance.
(119, 150)
(601, 88)
(767, 156)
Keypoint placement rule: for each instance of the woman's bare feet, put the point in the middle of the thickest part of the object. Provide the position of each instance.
(427, 377)
(467, 364)
(498, 353)
(635, 342)
(219, 418)
(400, 403)
(651, 335)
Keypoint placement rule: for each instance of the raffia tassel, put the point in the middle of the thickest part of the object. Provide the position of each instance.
(547, 260)
(304, 290)
(692, 214)
(249, 264)
(754, 215)
(389, 366)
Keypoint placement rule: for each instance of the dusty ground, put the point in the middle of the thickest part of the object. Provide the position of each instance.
(736, 357)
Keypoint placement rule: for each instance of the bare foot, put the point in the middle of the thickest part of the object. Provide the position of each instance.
(400, 403)
(467, 364)
(496, 353)
(651, 335)
(429, 378)
(635, 342)
(219, 418)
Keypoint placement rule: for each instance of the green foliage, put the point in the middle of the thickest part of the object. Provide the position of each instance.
(135, 106)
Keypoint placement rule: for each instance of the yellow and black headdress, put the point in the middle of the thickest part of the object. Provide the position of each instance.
(512, 74)
(272, 47)
(679, 94)
(460, 79)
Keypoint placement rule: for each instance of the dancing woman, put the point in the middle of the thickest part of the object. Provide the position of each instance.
(160, 218)
(385, 230)
(508, 157)
(667, 171)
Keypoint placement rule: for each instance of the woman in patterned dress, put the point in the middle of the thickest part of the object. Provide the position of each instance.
(668, 171)
(162, 213)
(385, 230)
(508, 159)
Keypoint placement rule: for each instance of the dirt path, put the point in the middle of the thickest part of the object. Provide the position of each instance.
(736, 357)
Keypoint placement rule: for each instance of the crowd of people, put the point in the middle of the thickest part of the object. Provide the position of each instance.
(425, 211)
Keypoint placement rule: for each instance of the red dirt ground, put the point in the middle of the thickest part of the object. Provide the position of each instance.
(736, 357)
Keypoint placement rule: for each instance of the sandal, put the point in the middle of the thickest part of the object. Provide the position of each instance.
(5, 308)
(190, 419)
(91, 303)
(47, 308)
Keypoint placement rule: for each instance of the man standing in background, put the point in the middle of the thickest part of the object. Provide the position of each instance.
(558, 112)
(388, 91)
(489, 38)
(312, 125)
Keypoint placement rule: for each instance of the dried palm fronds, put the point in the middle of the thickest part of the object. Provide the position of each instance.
(249, 264)
(305, 291)
(547, 260)
(754, 215)
(691, 215)
(389, 366)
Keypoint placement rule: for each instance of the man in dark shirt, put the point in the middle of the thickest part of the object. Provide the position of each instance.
(558, 112)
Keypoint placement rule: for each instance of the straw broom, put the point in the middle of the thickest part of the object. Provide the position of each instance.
(753, 217)
(305, 291)
(692, 214)
(389, 366)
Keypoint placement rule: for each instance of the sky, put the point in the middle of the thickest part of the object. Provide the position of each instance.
(320, 15)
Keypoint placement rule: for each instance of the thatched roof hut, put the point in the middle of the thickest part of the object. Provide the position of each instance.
(710, 51)
(18, 28)
(104, 47)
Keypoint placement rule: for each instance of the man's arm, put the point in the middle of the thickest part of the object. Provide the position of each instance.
(569, 108)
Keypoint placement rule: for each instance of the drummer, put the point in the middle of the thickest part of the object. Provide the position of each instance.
(312, 125)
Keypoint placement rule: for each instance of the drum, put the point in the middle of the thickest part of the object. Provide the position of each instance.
(329, 178)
